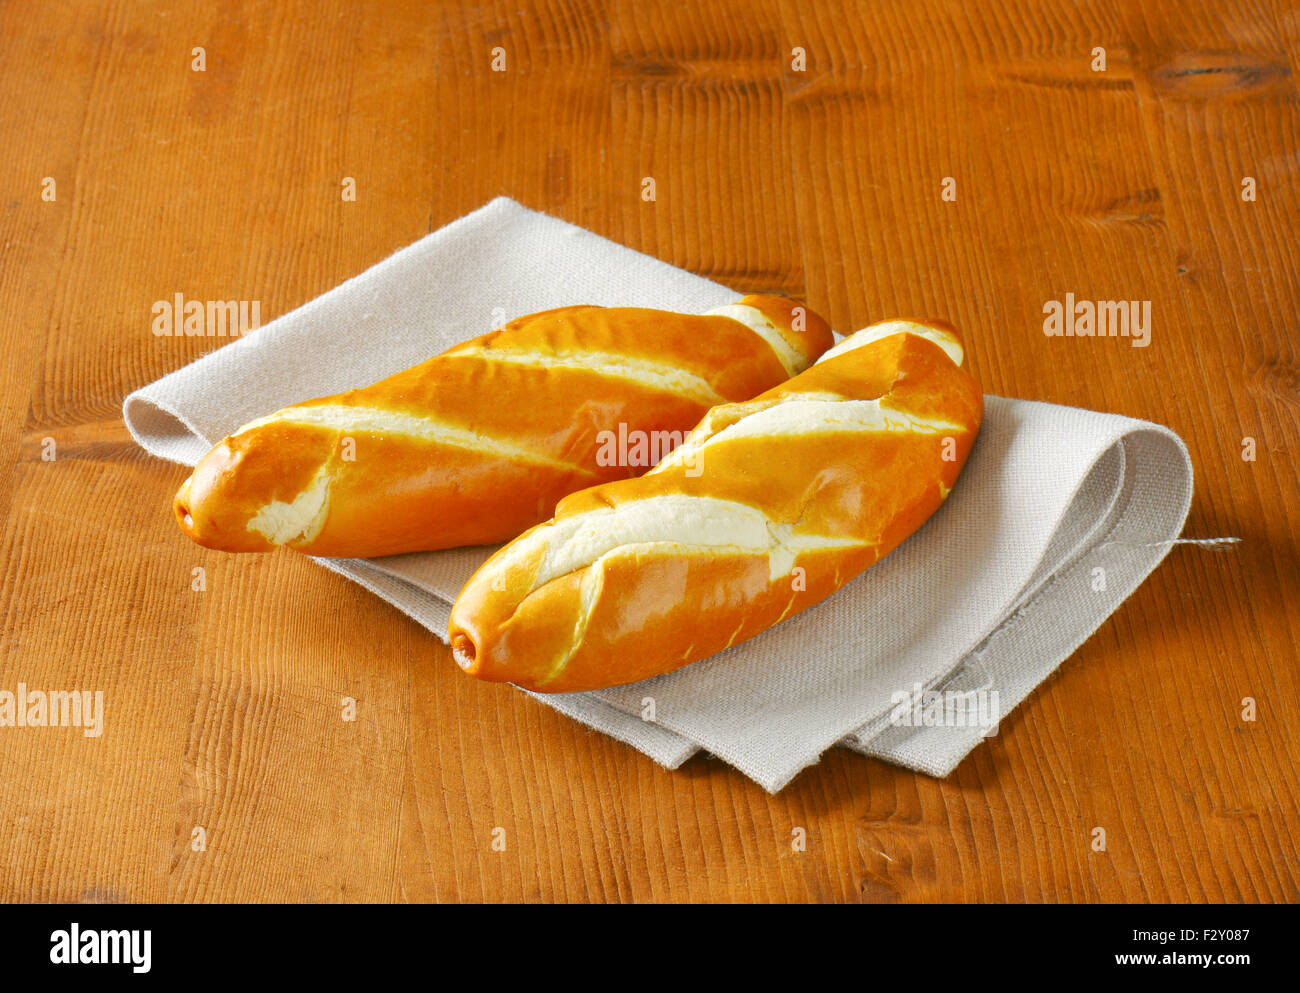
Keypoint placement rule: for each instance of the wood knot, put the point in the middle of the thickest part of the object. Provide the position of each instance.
(1276, 380)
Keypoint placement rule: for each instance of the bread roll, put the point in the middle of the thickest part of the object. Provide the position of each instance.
(477, 444)
(769, 507)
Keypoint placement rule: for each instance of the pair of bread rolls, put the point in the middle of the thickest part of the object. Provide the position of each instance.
(772, 503)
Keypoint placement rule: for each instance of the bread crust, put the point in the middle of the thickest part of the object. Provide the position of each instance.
(769, 507)
(479, 443)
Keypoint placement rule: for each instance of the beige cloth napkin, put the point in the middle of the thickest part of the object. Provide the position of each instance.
(1059, 515)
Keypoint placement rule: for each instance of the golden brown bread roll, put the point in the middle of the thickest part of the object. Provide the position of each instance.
(476, 444)
(769, 507)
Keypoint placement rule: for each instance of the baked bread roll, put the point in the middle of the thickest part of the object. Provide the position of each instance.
(768, 507)
(479, 443)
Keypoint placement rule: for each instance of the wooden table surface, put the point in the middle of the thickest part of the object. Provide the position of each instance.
(825, 182)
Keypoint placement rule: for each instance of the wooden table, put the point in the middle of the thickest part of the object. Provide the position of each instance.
(824, 181)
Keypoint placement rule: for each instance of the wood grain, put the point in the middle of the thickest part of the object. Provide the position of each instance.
(223, 706)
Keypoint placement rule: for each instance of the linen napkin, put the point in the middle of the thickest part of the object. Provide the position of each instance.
(1058, 516)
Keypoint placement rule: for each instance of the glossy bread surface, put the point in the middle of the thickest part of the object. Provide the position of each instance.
(479, 443)
(769, 507)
